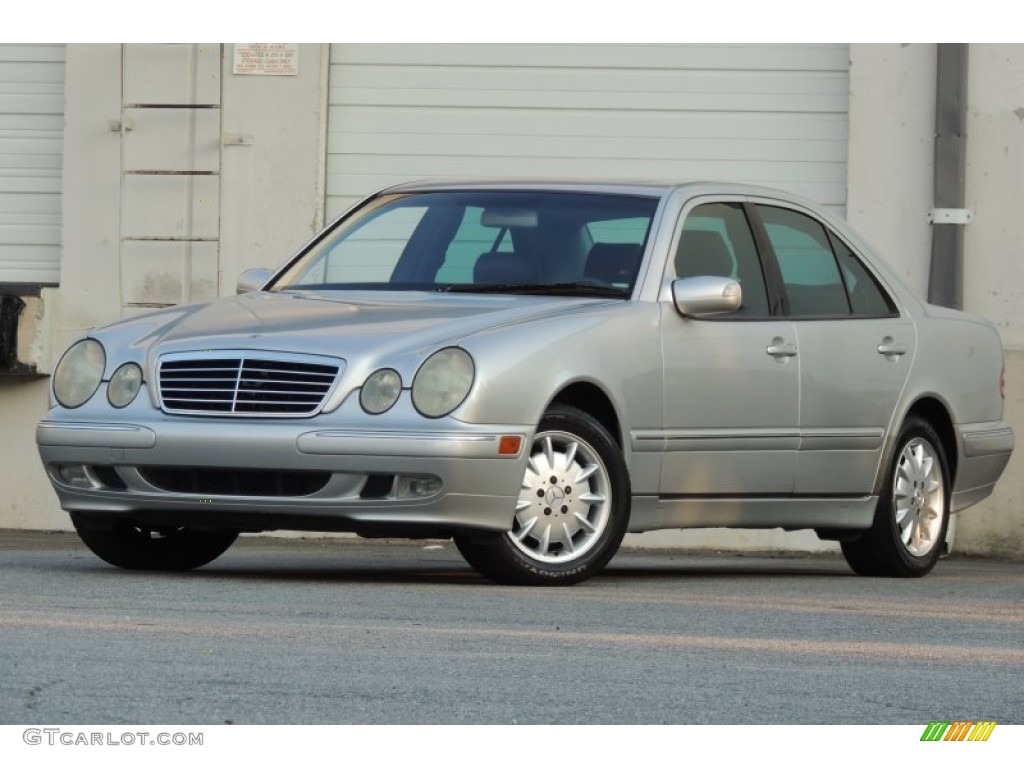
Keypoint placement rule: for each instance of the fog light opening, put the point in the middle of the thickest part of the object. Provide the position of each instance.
(75, 475)
(416, 487)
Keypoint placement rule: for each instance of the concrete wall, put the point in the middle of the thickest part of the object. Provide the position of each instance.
(272, 196)
(890, 161)
(26, 498)
(892, 124)
(271, 201)
(994, 268)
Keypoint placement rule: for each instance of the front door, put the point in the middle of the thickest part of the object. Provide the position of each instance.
(731, 388)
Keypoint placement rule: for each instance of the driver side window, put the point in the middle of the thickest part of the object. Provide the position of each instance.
(716, 240)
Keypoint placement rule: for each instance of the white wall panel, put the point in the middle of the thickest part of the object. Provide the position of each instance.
(159, 272)
(765, 114)
(183, 207)
(172, 74)
(182, 140)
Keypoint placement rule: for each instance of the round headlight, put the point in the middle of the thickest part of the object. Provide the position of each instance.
(442, 382)
(79, 373)
(124, 385)
(380, 391)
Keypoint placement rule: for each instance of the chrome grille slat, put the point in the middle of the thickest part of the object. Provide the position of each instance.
(249, 384)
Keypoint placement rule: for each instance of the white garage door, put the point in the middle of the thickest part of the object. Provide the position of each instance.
(31, 139)
(763, 114)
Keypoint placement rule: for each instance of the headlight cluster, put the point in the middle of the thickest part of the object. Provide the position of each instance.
(380, 391)
(124, 385)
(80, 373)
(439, 387)
(442, 382)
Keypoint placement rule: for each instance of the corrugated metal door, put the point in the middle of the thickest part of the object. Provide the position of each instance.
(764, 114)
(170, 184)
(31, 148)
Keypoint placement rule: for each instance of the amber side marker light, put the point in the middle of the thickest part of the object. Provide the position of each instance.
(509, 445)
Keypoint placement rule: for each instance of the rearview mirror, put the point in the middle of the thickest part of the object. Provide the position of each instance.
(705, 296)
(253, 280)
(512, 218)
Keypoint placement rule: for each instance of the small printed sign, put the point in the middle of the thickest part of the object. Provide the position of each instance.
(266, 59)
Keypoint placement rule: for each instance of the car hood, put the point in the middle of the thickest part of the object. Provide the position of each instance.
(333, 323)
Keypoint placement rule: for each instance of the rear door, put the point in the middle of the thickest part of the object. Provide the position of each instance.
(855, 352)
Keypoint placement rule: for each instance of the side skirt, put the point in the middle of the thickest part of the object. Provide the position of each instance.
(651, 513)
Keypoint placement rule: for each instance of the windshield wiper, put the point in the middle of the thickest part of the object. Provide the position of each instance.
(552, 289)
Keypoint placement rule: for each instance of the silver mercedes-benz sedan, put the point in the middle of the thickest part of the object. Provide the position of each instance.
(534, 369)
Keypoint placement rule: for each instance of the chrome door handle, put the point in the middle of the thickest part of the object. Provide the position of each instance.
(779, 348)
(891, 348)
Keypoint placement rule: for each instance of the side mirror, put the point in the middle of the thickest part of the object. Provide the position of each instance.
(253, 280)
(705, 296)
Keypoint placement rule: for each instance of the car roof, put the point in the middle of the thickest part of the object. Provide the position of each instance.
(649, 188)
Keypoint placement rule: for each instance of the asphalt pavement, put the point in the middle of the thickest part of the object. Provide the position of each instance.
(352, 631)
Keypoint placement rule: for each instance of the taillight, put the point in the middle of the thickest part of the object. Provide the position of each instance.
(1002, 383)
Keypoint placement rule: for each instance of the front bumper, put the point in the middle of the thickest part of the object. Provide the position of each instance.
(368, 474)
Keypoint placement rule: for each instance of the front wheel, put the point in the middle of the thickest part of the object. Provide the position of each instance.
(165, 548)
(572, 510)
(910, 522)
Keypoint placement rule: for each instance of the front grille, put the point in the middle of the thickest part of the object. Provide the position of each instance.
(245, 384)
(234, 482)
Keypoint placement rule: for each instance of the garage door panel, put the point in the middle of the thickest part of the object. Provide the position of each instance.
(711, 57)
(17, 72)
(773, 115)
(19, 123)
(30, 182)
(27, 230)
(576, 167)
(32, 103)
(824, 192)
(599, 79)
(21, 262)
(16, 162)
(21, 205)
(490, 145)
(589, 100)
(508, 122)
(27, 144)
(31, 148)
(32, 53)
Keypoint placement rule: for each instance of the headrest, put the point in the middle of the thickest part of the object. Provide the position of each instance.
(613, 262)
(702, 253)
(499, 267)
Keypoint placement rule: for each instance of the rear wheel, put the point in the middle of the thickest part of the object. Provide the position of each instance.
(151, 548)
(572, 510)
(905, 539)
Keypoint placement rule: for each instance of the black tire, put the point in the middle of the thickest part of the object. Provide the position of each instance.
(906, 537)
(134, 547)
(572, 512)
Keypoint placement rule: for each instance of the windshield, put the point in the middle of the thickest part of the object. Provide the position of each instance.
(493, 242)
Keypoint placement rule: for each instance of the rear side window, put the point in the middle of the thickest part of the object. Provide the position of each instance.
(808, 266)
(822, 276)
(866, 296)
